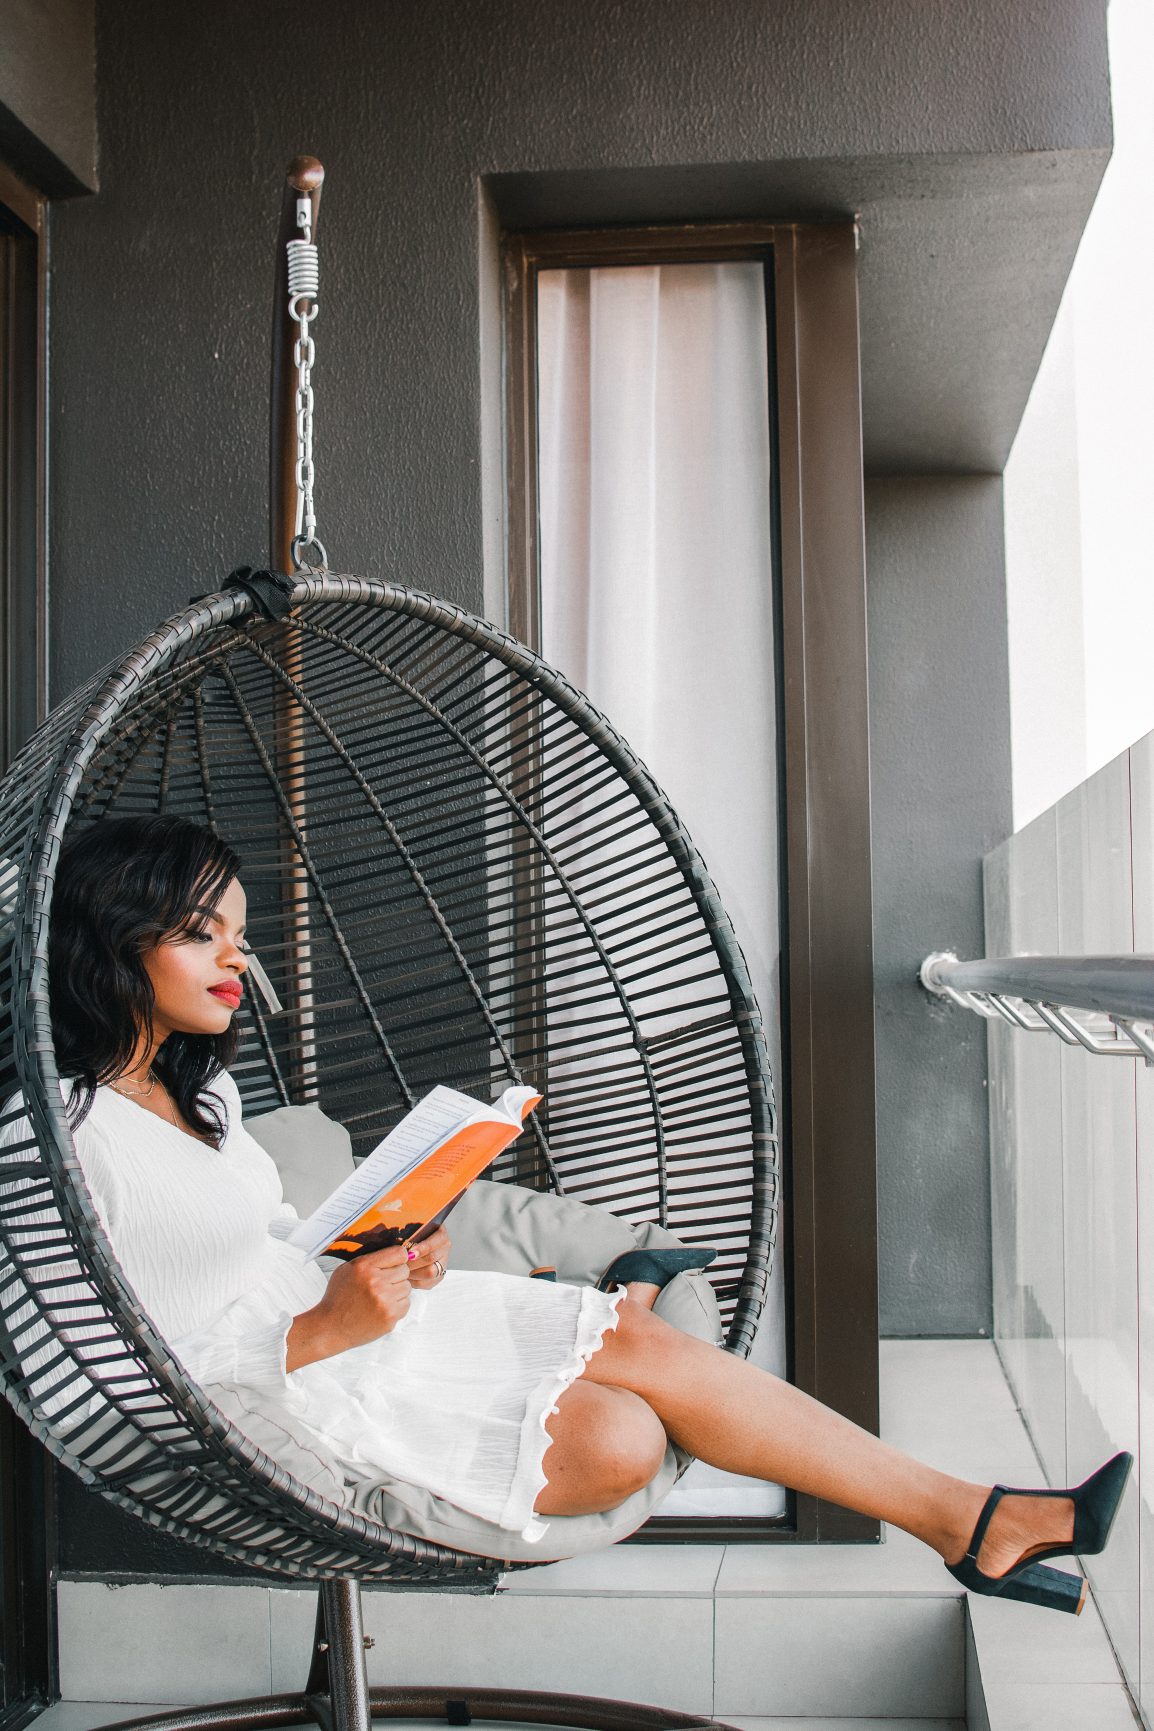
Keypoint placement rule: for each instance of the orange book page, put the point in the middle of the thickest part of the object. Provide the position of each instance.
(438, 1180)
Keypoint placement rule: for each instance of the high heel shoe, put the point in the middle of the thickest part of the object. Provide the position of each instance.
(1096, 1504)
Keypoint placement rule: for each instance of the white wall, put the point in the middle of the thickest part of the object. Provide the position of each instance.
(1072, 1169)
(1079, 486)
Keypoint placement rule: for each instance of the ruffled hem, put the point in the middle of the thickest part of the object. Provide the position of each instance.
(530, 1477)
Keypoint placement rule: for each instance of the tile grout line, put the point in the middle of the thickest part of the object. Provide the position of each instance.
(268, 1608)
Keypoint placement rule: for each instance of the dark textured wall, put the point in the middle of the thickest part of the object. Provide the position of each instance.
(940, 770)
(970, 138)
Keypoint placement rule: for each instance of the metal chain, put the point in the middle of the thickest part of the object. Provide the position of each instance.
(308, 553)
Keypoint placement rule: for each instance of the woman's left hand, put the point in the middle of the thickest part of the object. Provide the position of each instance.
(430, 1259)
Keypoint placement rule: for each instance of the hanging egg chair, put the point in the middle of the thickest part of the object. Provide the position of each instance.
(457, 872)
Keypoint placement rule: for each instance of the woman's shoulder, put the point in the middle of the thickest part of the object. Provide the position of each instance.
(105, 1124)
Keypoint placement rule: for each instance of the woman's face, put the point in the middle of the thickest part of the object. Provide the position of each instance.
(196, 974)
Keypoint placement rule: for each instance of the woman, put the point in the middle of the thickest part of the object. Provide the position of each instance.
(516, 1399)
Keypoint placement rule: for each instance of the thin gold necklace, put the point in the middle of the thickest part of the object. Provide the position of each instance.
(146, 1093)
(170, 1108)
(137, 1093)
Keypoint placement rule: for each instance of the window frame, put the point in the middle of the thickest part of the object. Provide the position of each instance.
(828, 1234)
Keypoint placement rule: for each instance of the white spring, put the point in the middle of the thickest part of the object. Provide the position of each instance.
(304, 274)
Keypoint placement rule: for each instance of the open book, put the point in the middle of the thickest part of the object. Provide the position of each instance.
(411, 1179)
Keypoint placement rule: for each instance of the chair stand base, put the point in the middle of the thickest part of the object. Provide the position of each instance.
(337, 1696)
(440, 1706)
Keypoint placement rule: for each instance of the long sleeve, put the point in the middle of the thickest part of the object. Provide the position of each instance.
(283, 1221)
(235, 1347)
(232, 1349)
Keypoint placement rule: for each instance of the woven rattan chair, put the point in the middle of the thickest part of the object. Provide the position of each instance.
(457, 872)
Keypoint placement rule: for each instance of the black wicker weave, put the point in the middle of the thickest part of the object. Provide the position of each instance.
(457, 872)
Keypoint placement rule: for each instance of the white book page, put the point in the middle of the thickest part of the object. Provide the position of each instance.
(512, 1104)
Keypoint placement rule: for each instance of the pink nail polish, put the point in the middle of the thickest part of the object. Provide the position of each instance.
(412, 1255)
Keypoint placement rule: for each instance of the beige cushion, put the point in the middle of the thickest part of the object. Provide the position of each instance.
(312, 1153)
(510, 1230)
(408, 1509)
(514, 1231)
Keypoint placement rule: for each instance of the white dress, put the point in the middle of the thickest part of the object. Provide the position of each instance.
(454, 1399)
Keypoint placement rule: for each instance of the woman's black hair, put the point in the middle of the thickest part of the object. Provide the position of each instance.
(124, 885)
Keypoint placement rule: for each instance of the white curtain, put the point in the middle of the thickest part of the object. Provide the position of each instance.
(657, 590)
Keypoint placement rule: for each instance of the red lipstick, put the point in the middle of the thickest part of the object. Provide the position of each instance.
(229, 993)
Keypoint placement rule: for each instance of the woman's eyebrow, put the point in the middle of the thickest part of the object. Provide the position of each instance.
(217, 918)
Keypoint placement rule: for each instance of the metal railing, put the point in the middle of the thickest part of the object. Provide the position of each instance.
(1102, 1003)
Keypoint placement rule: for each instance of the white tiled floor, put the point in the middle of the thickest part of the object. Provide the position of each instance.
(569, 1645)
(1060, 1707)
(895, 1656)
(808, 1724)
(88, 1715)
(158, 1638)
(745, 1632)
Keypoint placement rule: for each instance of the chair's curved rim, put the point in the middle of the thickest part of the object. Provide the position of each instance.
(99, 704)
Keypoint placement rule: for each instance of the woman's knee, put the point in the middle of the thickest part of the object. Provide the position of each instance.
(608, 1443)
(634, 1447)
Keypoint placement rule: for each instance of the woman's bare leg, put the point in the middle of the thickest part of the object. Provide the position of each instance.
(745, 1420)
(607, 1443)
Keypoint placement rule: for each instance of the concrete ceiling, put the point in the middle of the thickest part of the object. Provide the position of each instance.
(968, 139)
(962, 266)
(48, 93)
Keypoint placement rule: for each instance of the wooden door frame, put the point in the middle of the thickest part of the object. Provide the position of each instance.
(27, 1551)
(829, 1225)
(27, 1555)
(23, 462)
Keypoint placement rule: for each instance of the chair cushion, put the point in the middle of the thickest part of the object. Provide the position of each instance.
(510, 1230)
(409, 1509)
(312, 1153)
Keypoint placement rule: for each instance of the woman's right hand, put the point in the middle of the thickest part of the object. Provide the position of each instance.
(364, 1299)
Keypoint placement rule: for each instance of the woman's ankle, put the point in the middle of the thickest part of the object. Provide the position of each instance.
(1021, 1526)
(951, 1527)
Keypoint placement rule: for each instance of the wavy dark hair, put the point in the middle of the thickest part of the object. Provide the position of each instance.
(124, 885)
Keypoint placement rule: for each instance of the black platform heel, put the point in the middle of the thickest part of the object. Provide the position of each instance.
(1096, 1504)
